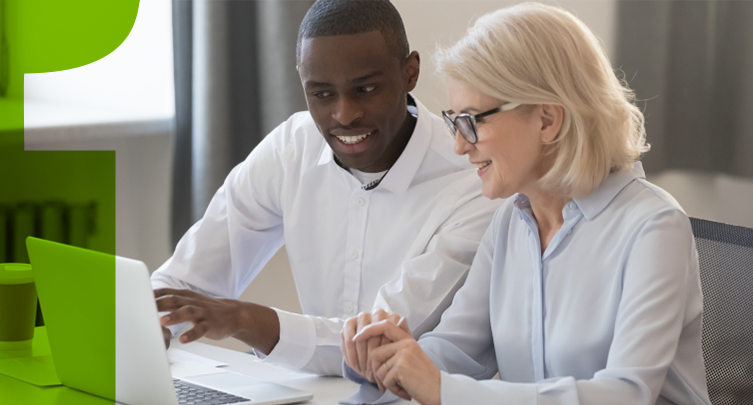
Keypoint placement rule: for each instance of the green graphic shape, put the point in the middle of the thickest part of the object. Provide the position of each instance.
(39, 36)
(60, 35)
(52, 35)
(72, 280)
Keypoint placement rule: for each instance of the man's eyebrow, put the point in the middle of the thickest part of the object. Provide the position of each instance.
(366, 77)
(357, 80)
(310, 83)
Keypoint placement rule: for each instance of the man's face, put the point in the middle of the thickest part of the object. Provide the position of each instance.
(356, 92)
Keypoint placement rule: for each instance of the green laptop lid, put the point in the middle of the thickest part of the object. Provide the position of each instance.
(76, 289)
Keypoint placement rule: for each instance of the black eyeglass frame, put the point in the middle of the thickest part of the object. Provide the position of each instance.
(467, 122)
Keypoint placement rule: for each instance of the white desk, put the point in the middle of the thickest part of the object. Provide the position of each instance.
(326, 390)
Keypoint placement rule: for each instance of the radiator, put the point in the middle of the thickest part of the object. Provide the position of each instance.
(69, 223)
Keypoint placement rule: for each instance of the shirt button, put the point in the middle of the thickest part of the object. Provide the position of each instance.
(349, 308)
(354, 254)
(572, 205)
(360, 201)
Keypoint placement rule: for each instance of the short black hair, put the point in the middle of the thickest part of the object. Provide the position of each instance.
(346, 17)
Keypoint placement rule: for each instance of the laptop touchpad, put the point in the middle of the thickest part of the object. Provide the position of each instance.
(224, 380)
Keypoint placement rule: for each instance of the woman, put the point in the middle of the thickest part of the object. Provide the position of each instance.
(585, 289)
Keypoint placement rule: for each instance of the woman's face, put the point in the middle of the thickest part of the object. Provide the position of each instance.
(510, 148)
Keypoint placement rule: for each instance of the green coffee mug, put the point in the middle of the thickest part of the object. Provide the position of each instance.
(18, 306)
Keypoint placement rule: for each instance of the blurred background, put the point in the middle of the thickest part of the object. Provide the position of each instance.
(198, 83)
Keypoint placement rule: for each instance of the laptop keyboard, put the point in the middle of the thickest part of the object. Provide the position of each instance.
(190, 394)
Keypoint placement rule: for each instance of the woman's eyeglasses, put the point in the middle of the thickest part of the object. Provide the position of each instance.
(466, 123)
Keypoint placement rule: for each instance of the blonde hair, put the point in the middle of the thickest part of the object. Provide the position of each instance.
(532, 53)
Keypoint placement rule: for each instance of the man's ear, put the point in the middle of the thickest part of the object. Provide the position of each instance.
(551, 122)
(412, 67)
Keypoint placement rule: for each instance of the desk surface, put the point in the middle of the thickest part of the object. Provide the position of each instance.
(326, 390)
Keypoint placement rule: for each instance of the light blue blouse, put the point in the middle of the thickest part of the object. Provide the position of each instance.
(609, 314)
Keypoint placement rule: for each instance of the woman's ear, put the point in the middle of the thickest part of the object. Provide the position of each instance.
(551, 122)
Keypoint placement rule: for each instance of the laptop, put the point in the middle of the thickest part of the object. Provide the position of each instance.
(75, 292)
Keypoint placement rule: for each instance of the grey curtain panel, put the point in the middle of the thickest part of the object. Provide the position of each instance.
(235, 80)
(692, 64)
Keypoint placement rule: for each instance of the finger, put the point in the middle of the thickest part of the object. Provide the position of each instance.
(383, 374)
(161, 292)
(167, 335)
(377, 379)
(383, 354)
(197, 332)
(386, 328)
(188, 313)
(394, 318)
(171, 302)
(391, 381)
(379, 315)
(384, 341)
(363, 356)
(382, 358)
(380, 370)
(348, 346)
(402, 393)
(364, 319)
(371, 344)
(403, 324)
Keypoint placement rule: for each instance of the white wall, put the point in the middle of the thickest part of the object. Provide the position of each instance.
(432, 23)
(713, 196)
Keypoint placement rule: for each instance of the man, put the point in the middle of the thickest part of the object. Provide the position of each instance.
(364, 190)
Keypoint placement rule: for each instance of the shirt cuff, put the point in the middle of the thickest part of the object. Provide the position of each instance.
(297, 341)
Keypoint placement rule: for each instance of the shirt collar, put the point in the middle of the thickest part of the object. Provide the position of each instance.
(405, 168)
(594, 203)
(327, 155)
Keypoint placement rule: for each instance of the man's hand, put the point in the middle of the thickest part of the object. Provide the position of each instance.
(357, 353)
(402, 366)
(216, 318)
(167, 335)
(211, 317)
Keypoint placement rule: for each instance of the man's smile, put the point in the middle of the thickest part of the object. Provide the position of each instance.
(353, 139)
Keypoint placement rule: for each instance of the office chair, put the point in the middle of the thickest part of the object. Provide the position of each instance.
(725, 253)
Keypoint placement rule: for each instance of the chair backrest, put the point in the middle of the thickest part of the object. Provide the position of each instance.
(725, 253)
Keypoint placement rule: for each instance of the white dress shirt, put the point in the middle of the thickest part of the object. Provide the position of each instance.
(609, 314)
(405, 246)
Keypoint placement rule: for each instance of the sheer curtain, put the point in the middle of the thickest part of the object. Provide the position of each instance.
(235, 80)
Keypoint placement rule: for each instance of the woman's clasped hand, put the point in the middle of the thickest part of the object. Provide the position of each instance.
(385, 353)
